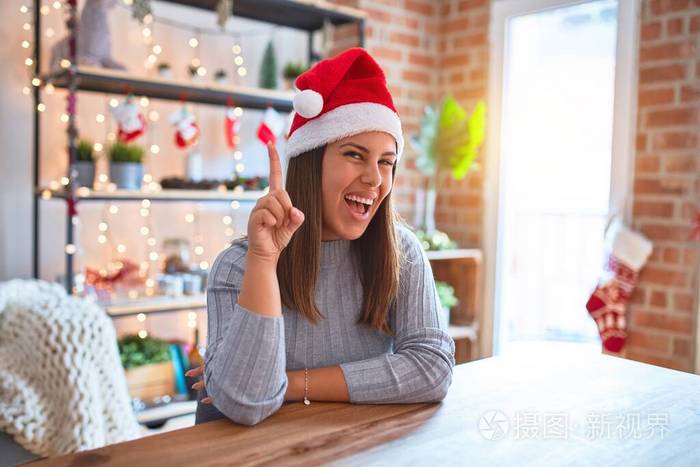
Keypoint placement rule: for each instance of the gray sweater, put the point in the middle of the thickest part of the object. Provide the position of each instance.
(248, 353)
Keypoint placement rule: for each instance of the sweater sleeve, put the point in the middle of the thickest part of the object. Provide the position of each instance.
(420, 367)
(245, 359)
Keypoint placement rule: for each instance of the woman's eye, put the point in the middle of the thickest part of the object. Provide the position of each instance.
(388, 162)
(352, 154)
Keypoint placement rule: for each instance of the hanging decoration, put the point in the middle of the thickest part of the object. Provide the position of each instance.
(186, 128)
(224, 10)
(131, 123)
(271, 126)
(232, 127)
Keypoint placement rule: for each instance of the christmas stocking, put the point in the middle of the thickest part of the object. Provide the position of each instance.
(271, 126)
(232, 127)
(186, 128)
(130, 121)
(628, 252)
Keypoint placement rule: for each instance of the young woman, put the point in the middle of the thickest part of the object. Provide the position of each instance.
(329, 297)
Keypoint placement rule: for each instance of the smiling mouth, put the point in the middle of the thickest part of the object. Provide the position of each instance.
(360, 209)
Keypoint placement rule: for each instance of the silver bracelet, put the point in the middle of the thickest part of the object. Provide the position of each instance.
(306, 386)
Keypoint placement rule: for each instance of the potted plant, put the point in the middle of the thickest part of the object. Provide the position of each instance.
(446, 294)
(125, 165)
(221, 76)
(449, 139)
(85, 163)
(435, 240)
(290, 72)
(147, 366)
(165, 71)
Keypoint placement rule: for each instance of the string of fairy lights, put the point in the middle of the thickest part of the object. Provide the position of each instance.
(102, 183)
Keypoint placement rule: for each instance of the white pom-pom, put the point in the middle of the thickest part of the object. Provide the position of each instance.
(308, 103)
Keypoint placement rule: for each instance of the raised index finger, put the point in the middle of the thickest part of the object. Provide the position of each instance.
(275, 168)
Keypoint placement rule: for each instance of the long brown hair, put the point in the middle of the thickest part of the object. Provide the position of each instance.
(375, 252)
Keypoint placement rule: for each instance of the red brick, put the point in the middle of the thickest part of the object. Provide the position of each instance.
(454, 25)
(662, 276)
(650, 341)
(470, 5)
(456, 78)
(658, 299)
(687, 163)
(652, 320)
(683, 302)
(386, 53)
(690, 93)
(674, 140)
(458, 60)
(472, 40)
(670, 233)
(423, 8)
(415, 58)
(662, 73)
(661, 7)
(416, 76)
(378, 15)
(641, 141)
(666, 51)
(644, 164)
(673, 117)
(681, 347)
(653, 209)
(656, 96)
(405, 39)
(675, 26)
(695, 23)
(651, 31)
(658, 187)
(671, 256)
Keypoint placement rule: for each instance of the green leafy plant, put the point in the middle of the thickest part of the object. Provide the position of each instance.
(447, 294)
(84, 151)
(435, 240)
(135, 351)
(122, 152)
(449, 138)
(293, 69)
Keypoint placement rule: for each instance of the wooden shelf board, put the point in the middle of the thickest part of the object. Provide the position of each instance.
(125, 82)
(473, 253)
(300, 14)
(155, 305)
(162, 195)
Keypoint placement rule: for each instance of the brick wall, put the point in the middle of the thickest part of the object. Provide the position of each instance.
(666, 183)
(433, 48)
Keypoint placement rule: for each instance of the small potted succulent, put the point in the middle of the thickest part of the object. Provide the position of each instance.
(125, 165)
(85, 163)
(165, 71)
(290, 73)
(446, 293)
(221, 76)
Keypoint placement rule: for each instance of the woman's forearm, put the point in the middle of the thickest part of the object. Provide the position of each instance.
(260, 291)
(324, 384)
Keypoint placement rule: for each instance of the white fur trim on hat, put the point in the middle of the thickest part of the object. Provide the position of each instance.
(344, 121)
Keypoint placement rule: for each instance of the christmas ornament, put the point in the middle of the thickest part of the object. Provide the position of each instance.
(271, 126)
(628, 252)
(130, 121)
(232, 127)
(268, 68)
(186, 128)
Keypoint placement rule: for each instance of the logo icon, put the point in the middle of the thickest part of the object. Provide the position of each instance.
(493, 425)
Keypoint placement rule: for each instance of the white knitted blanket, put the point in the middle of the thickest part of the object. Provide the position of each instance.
(62, 386)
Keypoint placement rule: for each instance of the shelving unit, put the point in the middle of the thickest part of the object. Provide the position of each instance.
(461, 268)
(305, 15)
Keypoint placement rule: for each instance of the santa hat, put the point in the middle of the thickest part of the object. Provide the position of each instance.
(340, 97)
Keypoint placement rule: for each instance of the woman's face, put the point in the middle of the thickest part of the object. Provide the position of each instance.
(357, 176)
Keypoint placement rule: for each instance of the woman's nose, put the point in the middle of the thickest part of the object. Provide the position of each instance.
(371, 175)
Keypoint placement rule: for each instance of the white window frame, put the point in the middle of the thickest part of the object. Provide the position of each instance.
(623, 144)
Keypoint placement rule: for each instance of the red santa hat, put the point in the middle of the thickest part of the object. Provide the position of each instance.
(340, 97)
